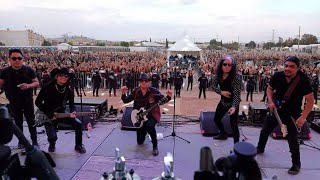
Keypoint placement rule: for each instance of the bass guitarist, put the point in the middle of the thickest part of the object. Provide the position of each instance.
(146, 96)
(285, 93)
(52, 99)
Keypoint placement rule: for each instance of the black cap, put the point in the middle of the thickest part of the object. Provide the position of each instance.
(64, 71)
(293, 59)
(144, 76)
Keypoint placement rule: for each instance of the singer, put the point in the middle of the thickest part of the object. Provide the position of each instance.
(227, 83)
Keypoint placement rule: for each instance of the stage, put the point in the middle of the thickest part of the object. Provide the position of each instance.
(105, 136)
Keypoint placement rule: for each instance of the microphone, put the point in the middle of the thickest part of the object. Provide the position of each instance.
(208, 169)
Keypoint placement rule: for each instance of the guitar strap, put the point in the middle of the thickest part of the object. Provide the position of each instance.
(290, 90)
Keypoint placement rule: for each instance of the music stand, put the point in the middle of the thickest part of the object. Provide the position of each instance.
(173, 133)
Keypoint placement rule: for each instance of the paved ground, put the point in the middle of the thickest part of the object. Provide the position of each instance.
(105, 136)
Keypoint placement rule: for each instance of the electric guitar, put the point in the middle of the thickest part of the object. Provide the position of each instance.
(41, 118)
(139, 116)
(283, 127)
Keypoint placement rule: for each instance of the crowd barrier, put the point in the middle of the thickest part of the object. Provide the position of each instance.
(259, 81)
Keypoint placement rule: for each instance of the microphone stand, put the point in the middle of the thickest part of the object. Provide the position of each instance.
(173, 134)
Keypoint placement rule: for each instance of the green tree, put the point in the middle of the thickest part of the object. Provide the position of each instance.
(268, 45)
(232, 46)
(46, 43)
(2, 44)
(307, 39)
(70, 43)
(131, 43)
(100, 44)
(124, 43)
(280, 42)
(251, 45)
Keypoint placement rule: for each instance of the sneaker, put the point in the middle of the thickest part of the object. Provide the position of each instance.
(52, 148)
(295, 169)
(155, 152)
(221, 137)
(260, 151)
(80, 149)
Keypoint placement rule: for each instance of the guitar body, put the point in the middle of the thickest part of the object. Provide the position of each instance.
(138, 118)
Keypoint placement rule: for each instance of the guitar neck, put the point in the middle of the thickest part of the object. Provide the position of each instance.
(154, 106)
(277, 117)
(65, 115)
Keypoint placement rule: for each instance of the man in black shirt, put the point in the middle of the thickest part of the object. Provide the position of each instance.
(178, 81)
(96, 81)
(190, 80)
(18, 81)
(289, 109)
(52, 99)
(203, 82)
(145, 96)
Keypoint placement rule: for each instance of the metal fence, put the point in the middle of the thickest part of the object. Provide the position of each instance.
(259, 81)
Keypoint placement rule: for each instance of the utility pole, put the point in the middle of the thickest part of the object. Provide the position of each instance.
(238, 43)
(272, 35)
(299, 40)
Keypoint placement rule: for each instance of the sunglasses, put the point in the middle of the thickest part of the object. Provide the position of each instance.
(144, 81)
(16, 58)
(63, 75)
(226, 64)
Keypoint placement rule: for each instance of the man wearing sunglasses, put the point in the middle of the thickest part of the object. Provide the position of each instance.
(18, 81)
(146, 96)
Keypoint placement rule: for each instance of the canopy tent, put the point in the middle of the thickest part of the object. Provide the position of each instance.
(64, 46)
(182, 47)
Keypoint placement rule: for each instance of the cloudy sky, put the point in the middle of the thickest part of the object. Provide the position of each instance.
(130, 20)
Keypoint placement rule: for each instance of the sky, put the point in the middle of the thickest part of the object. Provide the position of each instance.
(128, 20)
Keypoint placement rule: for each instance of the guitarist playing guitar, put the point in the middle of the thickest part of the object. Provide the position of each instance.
(52, 99)
(285, 94)
(145, 96)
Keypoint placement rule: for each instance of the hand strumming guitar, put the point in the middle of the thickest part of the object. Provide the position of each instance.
(73, 115)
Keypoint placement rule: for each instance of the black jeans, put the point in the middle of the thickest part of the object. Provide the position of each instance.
(74, 122)
(96, 89)
(269, 124)
(114, 90)
(250, 92)
(190, 84)
(148, 127)
(220, 112)
(27, 109)
(202, 89)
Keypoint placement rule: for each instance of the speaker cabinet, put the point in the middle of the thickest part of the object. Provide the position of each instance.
(208, 126)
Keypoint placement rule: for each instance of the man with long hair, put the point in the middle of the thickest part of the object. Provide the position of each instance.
(227, 83)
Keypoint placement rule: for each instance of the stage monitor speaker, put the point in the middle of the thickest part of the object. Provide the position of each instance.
(313, 115)
(84, 119)
(208, 126)
(315, 125)
(257, 112)
(126, 123)
(100, 104)
(304, 134)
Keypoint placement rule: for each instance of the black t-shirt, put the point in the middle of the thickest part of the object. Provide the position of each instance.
(203, 81)
(12, 78)
(280, 85)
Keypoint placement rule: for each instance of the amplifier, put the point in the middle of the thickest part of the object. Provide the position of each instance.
(313, 115)
(315, 125)
(257, 112)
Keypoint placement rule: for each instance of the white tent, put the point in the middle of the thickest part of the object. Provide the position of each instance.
(184, 46)
(64, 46)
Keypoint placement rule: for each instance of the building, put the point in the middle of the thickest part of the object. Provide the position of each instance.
(20, 38)
(73, 40)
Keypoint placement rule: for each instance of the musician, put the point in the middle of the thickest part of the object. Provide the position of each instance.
(227, 83)
(18, 82)
(288, 108)
(145, 96)
(52, 99)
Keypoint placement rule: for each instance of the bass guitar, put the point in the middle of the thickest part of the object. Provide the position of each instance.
(41, 118)
(139, 116)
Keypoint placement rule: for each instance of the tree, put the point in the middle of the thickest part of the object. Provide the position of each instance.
(2, 44)
(70, 43)
(131, 43)
(214, 44)
(280, 42)
(46, 43)
(100, 44)
(125, 44)
(232, 46)
(268, 45)
(251, 45)
(307, 39)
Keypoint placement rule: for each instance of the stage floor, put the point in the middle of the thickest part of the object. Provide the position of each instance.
(106, 136)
